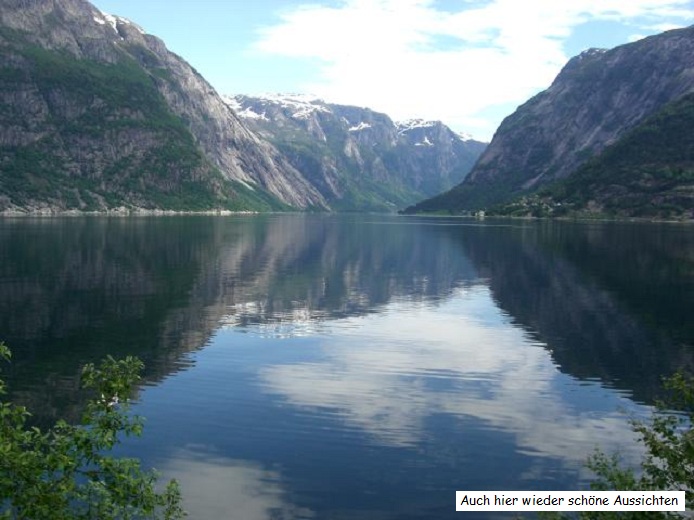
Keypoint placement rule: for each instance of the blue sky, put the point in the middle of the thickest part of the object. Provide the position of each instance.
(468, 63)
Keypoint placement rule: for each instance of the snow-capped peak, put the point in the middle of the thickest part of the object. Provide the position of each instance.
(104, 18)
(300, 106)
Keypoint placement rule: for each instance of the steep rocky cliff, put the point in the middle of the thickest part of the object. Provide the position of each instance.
(596, 100)
(359, 159)
(648, 173)
(98, 114)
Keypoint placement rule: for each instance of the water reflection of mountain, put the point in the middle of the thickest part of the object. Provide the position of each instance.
(611, 300)
(325, 267)
(75, 290)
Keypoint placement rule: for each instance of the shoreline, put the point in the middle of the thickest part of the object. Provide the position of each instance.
(141, 212)
(602, 218)
(121, 212)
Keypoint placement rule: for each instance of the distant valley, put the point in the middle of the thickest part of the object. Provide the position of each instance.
(359, 159)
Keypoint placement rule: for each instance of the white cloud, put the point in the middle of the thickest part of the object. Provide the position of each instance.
(662, 27)
(409, 59)
(657, 28)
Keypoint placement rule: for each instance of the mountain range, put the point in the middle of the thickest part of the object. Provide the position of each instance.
(359, 159)
(99, 115)
(612, 135)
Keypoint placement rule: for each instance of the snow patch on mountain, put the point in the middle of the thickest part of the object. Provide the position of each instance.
(128, 22)
(411, 124)
(593, 51)
(232, 103)
(104, 18)
(241, 111)
(357, 128)
(107, 19)
(248, 113)
(291, 99)
(299, 106)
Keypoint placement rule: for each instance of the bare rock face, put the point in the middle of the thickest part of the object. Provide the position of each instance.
(358, 158)
(437, 157)
(597, 98)
(37, 36)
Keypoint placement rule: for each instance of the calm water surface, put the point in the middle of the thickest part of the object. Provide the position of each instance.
(354, 367)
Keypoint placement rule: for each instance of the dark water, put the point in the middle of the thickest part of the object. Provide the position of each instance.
(355, 366)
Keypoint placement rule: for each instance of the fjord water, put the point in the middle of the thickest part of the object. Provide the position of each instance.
(312, 366)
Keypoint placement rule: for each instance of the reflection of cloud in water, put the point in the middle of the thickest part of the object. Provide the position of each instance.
(388, 373)
(216, 487)
(252, 317)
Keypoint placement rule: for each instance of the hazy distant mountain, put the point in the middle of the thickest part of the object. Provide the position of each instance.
(356, 158)
(600, 119)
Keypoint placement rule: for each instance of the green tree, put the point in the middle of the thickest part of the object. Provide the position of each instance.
(669, 460)
(66, 472)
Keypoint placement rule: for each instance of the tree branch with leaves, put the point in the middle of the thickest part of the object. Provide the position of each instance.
(67, 471)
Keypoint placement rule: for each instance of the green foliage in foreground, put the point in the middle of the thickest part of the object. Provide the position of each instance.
(65, 472)
(669, 459)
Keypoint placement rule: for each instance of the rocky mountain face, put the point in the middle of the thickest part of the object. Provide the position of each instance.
(597, 100)
(359, 159)
(648, 173)
(97, 114)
